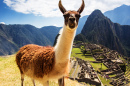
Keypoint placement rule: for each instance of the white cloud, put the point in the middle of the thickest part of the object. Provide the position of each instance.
(2, 23)
(104, 5)
(49, 8)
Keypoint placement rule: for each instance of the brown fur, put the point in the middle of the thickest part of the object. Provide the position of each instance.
(68, 14)
(39, 62)
(37, 58)
(81, 7)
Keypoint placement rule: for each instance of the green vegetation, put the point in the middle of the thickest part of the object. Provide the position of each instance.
(101, 57)
(97, 66)
(112, 75)
(105, 81)
(1, 58)
(76, 52)
(127, 73)
(9, 73)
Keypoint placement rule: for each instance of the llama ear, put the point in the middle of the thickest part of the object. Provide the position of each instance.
(81, 7)
(62, 9)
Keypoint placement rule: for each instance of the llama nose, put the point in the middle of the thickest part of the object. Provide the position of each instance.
(72, 19)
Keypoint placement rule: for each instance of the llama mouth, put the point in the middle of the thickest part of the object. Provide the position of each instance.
(72, 25)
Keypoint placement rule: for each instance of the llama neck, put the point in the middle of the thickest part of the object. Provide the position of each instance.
(64, 44)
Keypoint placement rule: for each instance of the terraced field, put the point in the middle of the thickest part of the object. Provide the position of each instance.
(76, 52)
(113, 69)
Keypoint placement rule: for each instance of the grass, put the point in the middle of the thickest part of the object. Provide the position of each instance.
(1, 58)
(113, 75)
(97, 66)
(76, 52)
(10, 75)
(104, 81)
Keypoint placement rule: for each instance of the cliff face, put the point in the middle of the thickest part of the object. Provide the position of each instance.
(99, 29)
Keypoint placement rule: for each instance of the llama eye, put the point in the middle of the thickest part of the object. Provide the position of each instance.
(77, 16)
(66, 15)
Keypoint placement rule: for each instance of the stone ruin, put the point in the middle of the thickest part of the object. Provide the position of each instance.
(86, 73)
(111, 59)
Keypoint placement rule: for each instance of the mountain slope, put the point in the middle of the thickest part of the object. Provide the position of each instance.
(7, 46)
(101, 30)
(50, 32)
(123, 32)
(120, 15)
(12, 37)
(81, 24)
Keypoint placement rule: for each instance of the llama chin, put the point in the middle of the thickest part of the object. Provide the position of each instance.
(44, 63)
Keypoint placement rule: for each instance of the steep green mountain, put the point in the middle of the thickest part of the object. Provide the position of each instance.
(123, 32)
(99, 29)
(119, 15)
(81, 23)
(12, 37)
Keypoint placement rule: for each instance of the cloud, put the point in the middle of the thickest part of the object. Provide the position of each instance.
(104, 5)
(2, 23)
(49, 8)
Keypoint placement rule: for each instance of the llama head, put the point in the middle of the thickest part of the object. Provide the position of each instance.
(71, 17)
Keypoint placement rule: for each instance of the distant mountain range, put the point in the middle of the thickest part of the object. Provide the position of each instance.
(95, 29)
(99, 29)
(12, 37)
(119, 15)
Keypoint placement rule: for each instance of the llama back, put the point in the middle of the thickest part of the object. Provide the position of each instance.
(38, 60)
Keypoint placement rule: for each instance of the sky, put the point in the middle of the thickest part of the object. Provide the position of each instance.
(46, 12)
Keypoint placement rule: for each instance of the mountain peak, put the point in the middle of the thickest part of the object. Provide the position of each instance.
(97, 13)
(99, 29)
(124, 6)
(95, 20)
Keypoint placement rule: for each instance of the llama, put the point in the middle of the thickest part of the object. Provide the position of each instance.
(44, 63)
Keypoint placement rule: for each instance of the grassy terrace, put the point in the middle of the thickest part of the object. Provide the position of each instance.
(76, 52)
(97, 66)
(104, 81)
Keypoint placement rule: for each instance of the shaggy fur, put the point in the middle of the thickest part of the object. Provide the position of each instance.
(46, 63)
(37, 58)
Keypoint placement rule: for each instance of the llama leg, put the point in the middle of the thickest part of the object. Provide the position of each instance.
(22, 79)
(33, 82)
(61, 81)
(46, 83)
